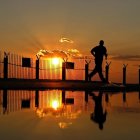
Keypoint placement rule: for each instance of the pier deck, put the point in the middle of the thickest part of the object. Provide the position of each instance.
(31, 84)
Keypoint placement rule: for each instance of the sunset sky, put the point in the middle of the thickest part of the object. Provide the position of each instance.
(27, 26)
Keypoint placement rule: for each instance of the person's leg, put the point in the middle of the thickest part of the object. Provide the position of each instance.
(100, 73)
(92, 73)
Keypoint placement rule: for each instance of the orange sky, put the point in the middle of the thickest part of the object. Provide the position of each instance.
(28, 26)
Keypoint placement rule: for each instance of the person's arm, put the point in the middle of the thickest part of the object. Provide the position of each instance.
(93, 51)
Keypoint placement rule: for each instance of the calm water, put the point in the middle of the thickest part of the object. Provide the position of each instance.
(55, 114)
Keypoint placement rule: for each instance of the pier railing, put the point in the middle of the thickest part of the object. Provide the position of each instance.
(20, 67)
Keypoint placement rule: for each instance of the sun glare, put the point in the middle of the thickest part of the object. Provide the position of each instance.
(55, 104)
(55, 61)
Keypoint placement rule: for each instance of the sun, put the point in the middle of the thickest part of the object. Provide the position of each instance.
(55, 61)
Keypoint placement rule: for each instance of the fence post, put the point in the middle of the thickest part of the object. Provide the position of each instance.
(37, 68)
(86, 72)
(64, 69)
(124, 73)
(86, 69)
(107, 71)
(5, 70)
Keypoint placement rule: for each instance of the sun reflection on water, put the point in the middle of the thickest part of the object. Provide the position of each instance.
(64, 114)
(55, 104)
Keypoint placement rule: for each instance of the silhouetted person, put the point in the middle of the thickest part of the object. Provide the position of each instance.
(98, 52)
(98, 116)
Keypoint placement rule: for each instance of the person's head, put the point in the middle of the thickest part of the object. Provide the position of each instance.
(101, 42)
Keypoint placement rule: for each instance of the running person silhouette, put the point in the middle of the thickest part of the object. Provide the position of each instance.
(98, 52)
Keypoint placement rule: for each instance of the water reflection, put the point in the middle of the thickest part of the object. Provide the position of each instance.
(139, 96)
(51, 114)
(14, 100)
(124, 99)
(67, 106)
(4, 101)
(99, 115)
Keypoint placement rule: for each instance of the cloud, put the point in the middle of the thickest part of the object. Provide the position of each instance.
(126, 57)
(66, 40)
(42, 53)
(59, 53)
(74, 53)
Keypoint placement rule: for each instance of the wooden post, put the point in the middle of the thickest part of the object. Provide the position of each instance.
(5, 70)
(37, 68)
(64, 68)
(107, 71)
(86, 69)
(37, 98)
(86, 72)
(124, 74)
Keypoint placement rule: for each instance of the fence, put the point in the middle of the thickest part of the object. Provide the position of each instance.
(20, 67)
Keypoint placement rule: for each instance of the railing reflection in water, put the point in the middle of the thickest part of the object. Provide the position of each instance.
(65, 105)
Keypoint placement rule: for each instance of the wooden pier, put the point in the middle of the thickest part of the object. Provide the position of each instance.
(33, 84)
